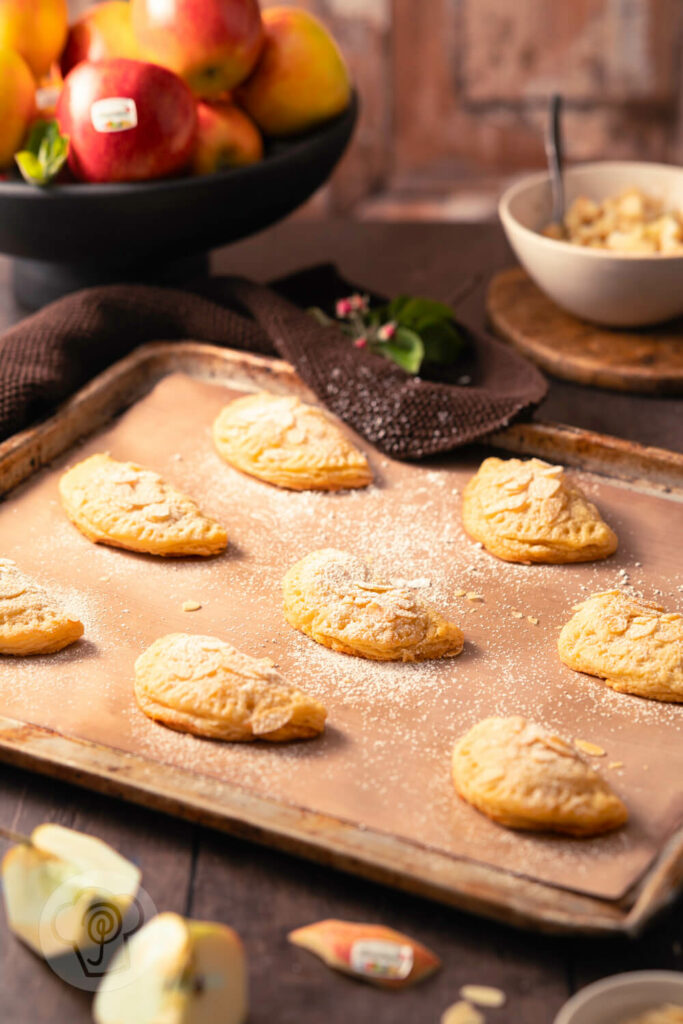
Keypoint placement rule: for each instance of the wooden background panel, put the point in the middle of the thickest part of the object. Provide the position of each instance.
(483, 70)
(595, 51)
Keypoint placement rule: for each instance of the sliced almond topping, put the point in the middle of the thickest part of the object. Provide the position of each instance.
(374, 588)
(460, 593)
(462, 1013)
(532, 619)
(616, 764)
(542, 487)
(191, 606)
(415, 584)
(511, 504)
(642, 626)
(483, 995)
(617, 624)
(517, 615)
(472, 596)
(586, 747)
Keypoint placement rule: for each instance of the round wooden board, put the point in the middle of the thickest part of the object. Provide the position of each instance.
(648, 360)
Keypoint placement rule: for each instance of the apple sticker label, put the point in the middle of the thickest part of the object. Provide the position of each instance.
(114, 114)
(46, 97)
(378, 958)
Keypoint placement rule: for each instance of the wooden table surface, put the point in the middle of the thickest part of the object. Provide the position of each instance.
(264, 894)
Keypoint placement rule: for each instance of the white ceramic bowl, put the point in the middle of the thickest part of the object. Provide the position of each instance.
(616, 289)
(621, 997)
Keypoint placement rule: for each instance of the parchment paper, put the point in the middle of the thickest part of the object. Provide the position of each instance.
(384, 761)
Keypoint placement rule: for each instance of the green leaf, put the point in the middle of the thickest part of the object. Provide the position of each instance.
(416, 312)
(321, 316)
(44, 154)
(405, 349)
(443, 342)
(327, 321)
(30, 168)
(433, 322)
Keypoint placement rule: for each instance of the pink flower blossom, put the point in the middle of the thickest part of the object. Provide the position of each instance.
(387, 331)
(360, 342)
(351, 304)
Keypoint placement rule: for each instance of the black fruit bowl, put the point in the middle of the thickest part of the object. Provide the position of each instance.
(66, 237)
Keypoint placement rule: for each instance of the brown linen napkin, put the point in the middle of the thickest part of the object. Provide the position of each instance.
(49, 355)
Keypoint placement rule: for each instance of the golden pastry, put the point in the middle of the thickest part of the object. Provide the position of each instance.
(31, 621)
(524, 777)
(333, 597)
(284, 441)
(529, 511)
(126, 506)
(634, 646)
(202, 685)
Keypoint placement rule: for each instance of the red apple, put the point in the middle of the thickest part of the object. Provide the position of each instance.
(101, 32)
(212, 44)
(226, 137)
(126, 120)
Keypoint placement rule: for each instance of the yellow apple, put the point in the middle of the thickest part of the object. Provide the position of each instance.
(54, 884)
(102, 31)
(17, 103)
(301, 79)
(176, 971)
(226, 137)
(36, 29)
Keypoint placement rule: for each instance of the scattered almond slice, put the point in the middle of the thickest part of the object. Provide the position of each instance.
(462, 1012)
(616, 764)
(532, 619)
(483, 995)
(517, 615)
(191, 606)
(460, 593)
(586, 747)
(472, 596)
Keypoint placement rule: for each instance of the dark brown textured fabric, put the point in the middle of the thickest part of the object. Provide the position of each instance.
(51, 354)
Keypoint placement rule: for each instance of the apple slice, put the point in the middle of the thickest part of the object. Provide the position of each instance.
(176, 971)
(65, 890)
(370, 952)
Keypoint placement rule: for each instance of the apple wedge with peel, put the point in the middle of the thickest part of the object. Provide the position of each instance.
(176, 971)
(371, 952)
(65, 890)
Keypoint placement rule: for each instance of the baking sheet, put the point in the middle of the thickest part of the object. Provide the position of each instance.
(384, 762)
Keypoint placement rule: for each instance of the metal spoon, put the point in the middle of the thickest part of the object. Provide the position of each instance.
(555, 157)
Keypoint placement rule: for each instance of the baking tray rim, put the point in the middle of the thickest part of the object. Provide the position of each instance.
(406, 864)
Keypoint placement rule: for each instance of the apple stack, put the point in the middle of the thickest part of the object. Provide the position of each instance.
(141, 89)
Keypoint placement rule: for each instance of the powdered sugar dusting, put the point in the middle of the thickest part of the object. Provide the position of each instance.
(384, 761)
